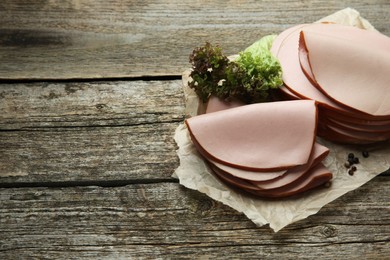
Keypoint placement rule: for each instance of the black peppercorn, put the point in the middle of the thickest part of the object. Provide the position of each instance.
(351, 155)
(365, 154)
(351, 172)
(353, 168)
(351, 161)
(356, 160)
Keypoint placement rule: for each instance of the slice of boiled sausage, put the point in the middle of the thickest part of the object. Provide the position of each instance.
(286, 50)
(215, 104)
(261, 137)
(315, 177)
(297, 173)
(267, 180)
(352, 70)
(318, 175)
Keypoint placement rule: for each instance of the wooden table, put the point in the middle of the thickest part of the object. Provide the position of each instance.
(90, 96)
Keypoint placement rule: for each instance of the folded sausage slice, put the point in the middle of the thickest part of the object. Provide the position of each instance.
(241, 184)
(353, 119)
(352, 70)
(358, 136)
(297, 173)
(268, 180)
(338, 120)
(380, 129)
(285, 48)
(285, 93)
(315, 177)
(261, 137)
(247, 174)
(215, 104)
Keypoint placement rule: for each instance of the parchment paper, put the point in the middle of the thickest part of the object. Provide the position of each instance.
(193, 173)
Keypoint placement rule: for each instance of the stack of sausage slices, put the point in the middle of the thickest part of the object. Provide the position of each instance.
(266, 149)
(347, 71)
(337, 80)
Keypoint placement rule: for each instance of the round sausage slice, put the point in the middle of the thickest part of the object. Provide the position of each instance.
(262, 137)
(347, 69)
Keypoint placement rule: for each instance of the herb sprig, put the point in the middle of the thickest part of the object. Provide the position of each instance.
(251, 77)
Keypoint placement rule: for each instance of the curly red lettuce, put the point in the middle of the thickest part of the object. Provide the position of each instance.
(251, 77)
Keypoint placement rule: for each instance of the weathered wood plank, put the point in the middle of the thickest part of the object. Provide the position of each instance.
(101, 39)
(88, 132)
(166, 220)
(77, 104)
(128, 153)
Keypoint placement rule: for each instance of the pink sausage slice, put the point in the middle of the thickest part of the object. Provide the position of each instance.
(297, 173)
(363, 137)
(318, 175)
(267, 180)
(246, 174)
(352, 118)
(380, 129)
(285, 48)
(261, 137)
(349, 71)
(315, 177)
(230, 180)
(343, 137)
(287, 94)
(215, 104)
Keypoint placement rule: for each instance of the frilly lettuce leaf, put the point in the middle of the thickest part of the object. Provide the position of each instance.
(261, 46)
(251, 77)
(259, 63)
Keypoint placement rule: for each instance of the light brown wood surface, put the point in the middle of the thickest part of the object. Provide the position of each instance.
(164, 220)
(90, 97)
(103, 39)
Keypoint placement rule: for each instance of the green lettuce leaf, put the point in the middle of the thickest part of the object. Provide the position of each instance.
(262, 45)
(251, 77)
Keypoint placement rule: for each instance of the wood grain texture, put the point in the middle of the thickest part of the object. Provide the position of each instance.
(89, 131)
(168, 221)
(88, 154)
(104, 39)
(78, 104)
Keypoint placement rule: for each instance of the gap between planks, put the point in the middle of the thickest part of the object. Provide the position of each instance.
(91, 80)
(96, 183)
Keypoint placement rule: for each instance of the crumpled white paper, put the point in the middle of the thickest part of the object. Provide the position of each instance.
(193, 173)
